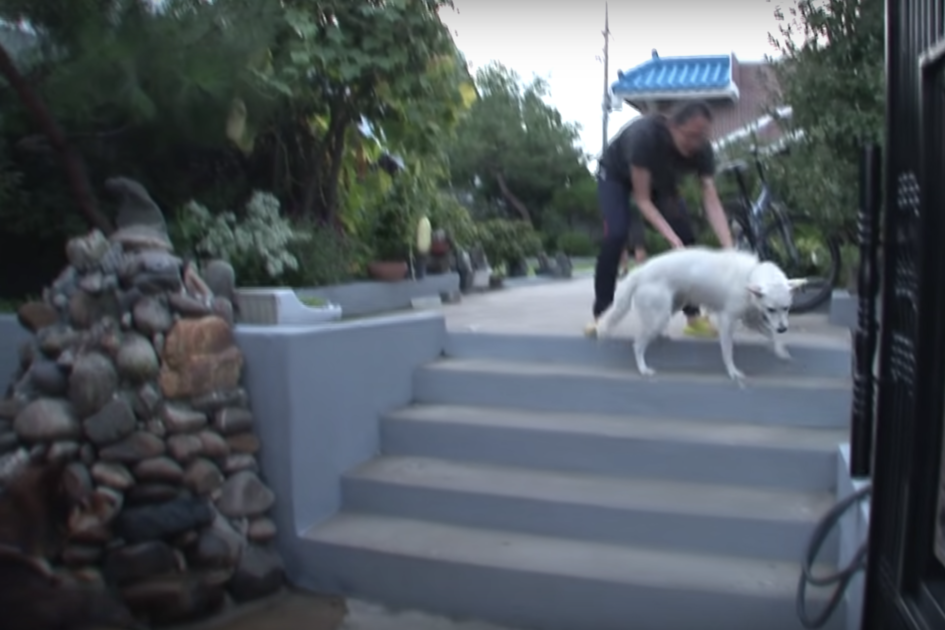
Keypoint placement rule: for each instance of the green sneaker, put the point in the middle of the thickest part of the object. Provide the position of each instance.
(700, 327)
(591, 329)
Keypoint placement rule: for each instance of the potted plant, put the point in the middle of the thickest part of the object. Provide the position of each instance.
(392, 232)
(507, 243)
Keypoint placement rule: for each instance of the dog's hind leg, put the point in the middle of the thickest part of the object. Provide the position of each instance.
(654, 309)
(727, 342)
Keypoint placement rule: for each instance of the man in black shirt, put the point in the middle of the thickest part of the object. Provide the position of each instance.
(645, 162)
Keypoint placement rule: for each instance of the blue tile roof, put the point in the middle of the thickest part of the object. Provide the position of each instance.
(675, 74)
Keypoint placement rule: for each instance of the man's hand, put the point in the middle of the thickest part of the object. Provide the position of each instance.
(641, 196)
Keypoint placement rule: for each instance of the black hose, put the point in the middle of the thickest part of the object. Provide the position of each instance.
(841, 578)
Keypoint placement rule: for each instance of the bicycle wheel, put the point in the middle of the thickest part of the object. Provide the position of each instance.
(817, 259)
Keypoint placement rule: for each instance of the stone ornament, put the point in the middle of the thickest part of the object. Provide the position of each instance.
(133, 376)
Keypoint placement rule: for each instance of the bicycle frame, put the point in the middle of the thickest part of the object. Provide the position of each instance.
(758, 210)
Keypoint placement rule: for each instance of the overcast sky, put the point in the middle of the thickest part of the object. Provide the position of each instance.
(562, 41)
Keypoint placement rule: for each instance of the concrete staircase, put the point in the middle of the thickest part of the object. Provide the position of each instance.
(540, 483)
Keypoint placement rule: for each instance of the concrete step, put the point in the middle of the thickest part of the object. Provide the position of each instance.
(796, 401)
(697, 517)
(536, 582)
(670, 355)
(761, 456)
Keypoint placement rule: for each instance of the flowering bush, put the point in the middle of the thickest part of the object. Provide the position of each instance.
(256, 244)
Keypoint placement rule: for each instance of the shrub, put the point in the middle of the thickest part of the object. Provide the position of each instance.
(506, 242)
(327, 257)
(392, 224)
(575, 243)
(256, 244)
(447, 213)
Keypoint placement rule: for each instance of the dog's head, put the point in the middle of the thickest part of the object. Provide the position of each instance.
(771, 294)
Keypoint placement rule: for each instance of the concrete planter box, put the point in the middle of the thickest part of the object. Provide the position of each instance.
(282, 306)
(358, 299)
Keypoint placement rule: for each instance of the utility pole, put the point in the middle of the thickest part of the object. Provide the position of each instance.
(605, 104)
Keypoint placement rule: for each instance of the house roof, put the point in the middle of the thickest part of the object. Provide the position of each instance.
(664, 77)
(757, 93)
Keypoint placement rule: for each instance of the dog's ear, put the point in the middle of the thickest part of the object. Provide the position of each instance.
(796, 283)
(756, 290)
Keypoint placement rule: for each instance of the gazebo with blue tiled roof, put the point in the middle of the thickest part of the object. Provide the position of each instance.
(664, 80)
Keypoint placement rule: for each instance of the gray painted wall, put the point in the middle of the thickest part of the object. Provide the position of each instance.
(367, 298)
(317, 393)
(11, 336)
(854, 531)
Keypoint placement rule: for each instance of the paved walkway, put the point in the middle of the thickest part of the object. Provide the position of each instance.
(563, 308)
(304, 611)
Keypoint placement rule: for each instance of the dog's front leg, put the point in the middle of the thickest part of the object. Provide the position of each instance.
(727, 342)
(777, 345)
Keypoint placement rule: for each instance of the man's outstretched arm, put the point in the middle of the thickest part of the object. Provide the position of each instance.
(641, 195)
(715, 213)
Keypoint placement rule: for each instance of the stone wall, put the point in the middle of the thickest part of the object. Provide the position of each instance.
(132, 374)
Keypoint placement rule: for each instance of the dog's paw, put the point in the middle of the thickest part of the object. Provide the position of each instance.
(782, 353)
(737, 375)
(647, 371)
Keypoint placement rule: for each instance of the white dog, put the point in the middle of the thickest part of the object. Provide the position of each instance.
(734, 285)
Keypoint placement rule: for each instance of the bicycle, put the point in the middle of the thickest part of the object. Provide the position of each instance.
(765, 226)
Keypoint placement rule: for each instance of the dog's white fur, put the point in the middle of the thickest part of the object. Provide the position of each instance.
(734, 285)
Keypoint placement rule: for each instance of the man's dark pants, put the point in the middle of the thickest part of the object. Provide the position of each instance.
(623, 223)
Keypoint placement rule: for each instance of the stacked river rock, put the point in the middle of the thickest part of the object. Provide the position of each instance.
(133, 375)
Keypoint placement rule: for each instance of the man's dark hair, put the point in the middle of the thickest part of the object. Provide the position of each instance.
(687, 111)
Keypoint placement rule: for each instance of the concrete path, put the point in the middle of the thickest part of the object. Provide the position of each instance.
(304, 611)
(563, 307)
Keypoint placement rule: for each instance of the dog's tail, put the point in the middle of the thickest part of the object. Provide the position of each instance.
(621, 306)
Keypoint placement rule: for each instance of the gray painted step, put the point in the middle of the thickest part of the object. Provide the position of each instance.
(547, 583)
(737, 454)
(695, 517)
(797, 401)
(671, 355)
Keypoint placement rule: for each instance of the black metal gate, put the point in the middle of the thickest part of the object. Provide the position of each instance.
(906, 574)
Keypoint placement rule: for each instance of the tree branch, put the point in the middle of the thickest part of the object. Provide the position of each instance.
(71, 162)
(514, 201)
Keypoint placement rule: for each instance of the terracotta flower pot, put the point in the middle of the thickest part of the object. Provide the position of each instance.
(387, 271)
(439, 248)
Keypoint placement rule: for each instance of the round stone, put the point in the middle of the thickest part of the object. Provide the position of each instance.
(151, 316)
(244, 494)
(137, 361)
(92, 383)
(47, 420)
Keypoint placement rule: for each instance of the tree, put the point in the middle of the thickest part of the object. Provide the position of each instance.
(234, 95)
(210, 101)
(512, 148)
(831, 72)
(391, 63)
